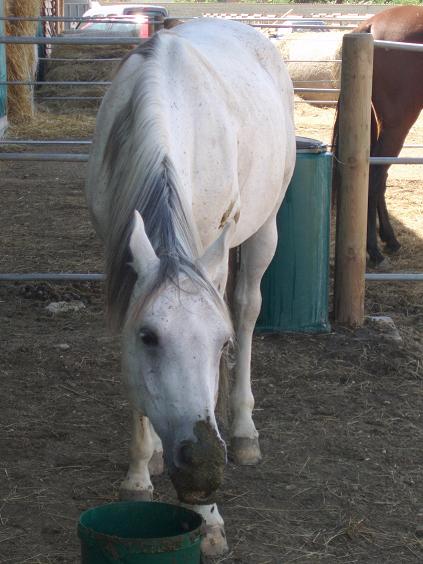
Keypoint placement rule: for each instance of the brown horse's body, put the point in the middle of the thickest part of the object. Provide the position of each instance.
(397, 99)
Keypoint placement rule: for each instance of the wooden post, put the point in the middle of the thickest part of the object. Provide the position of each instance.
(353, 166)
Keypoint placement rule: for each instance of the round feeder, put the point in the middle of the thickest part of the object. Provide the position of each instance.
(137, 532)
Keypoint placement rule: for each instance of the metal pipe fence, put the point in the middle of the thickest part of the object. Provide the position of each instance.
(99, 277)
(79, 60)
(237, 17)
(55, 82)
(62, 157)
(128, 18)
(83, 157)
(80, 40)
(395, 160)
(45, 142)
(397, 46)
(64, 98)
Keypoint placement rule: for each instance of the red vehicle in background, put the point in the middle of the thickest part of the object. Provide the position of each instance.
(133, 20)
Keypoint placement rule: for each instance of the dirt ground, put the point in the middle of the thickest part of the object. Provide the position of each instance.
(339, 414)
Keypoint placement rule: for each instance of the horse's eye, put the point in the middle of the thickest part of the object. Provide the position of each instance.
(149, 338)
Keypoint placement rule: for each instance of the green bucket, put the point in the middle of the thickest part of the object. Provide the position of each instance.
(137, 532)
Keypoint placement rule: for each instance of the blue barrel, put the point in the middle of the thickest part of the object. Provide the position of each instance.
(295, 288)
(3, 76)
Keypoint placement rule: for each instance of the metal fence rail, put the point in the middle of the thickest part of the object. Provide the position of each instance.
(80, 40)
(44, 142)
(69, 19)
(398, 46)
(395, 160)
(27, 156)
(254, 20)
(55, 82)
(99, 277)
(50, 276)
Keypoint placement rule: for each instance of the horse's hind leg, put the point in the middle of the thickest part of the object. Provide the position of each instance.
(375, 256)
(389, 144)
(145, 458)
(386, 230)
(256, 254)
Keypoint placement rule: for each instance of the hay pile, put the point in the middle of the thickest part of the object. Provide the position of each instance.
(81, 71)
(307, 48)
(21, 60)
(49, 125)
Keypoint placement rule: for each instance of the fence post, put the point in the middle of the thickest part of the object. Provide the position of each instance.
(353, 167)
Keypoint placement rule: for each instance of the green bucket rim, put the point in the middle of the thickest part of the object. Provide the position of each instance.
(154, 545)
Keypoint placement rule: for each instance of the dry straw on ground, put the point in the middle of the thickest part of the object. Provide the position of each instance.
(21, 60)
(49, 125)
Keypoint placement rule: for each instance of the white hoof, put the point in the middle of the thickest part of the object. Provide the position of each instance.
(245, 451)
(135, 495)
(132, 489)
(214, 542)
(156, 464)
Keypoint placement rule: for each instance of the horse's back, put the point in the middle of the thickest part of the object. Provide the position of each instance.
(401, 23)
(223, 102)
(239, 108)
(397, 74)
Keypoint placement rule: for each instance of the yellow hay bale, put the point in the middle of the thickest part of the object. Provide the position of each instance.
(306, 49)
(79, 70)
(21, 60)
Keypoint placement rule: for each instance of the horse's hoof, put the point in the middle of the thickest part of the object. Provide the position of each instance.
(156, 464)
(392, 247)
(135, 495)
(384, 265)
(378, 262)
(245, 451)
(132, 492)
(213, 543)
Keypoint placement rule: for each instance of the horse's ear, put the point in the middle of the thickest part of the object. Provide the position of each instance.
(144, 258)
(215, 257)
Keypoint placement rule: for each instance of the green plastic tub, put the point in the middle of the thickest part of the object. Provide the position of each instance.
(295, 288)
(137, 532)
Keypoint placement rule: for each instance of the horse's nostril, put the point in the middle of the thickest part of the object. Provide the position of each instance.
(187, 454)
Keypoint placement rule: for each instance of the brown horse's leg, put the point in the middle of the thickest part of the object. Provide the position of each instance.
(375, 256)
(386, 230)
(389, 144)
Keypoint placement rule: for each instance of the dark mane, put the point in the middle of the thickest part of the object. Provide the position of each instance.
(141, 176)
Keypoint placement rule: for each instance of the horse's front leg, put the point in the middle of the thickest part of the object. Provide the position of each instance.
(145, 459)
(256, 255)
(214, 541)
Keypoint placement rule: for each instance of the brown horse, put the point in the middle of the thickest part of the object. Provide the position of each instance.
(397, 100)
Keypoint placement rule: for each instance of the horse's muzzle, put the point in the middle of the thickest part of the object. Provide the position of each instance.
(198, 466)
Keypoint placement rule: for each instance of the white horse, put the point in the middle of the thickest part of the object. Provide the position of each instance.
(193, 151)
